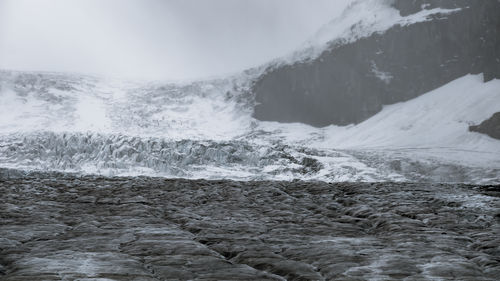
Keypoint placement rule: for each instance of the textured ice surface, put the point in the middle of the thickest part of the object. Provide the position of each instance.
(63, 227)
(205, 130)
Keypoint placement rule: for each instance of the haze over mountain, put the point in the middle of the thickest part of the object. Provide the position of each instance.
(155, 39)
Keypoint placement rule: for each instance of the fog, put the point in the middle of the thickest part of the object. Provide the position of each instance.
(155, 39)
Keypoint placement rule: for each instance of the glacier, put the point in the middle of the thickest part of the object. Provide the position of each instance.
(105, 178)
(205, 129)
(89, 125)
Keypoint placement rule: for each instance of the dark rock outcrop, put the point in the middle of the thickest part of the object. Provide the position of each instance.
(490, 127)
(344, 84)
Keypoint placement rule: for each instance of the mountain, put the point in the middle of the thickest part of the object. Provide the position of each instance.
(89, 125)
(104, 179)
(396, 51)
(425, 138)
(400, 70)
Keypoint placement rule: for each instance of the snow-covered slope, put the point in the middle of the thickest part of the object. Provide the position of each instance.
(205, 130)
(439, 118)
(432, 126)
(430, 131)
(32, 102)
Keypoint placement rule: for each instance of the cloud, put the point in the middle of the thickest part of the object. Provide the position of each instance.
(157, 39)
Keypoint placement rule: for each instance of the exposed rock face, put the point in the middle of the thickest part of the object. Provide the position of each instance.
(351, 82)
(62, 227)
(490, 127)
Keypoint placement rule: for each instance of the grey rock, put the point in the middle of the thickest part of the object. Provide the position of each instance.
(340, 86)
(490, 127)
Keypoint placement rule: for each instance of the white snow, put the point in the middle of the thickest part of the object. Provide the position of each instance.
(436, 120)
(91, 115)
(361, 19)
(201, 111)
(29, 112)
(385, 77)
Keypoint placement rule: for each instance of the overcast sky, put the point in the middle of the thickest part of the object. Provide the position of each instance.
(155, 39)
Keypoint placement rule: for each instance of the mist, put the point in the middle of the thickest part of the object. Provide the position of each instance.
(155, 39)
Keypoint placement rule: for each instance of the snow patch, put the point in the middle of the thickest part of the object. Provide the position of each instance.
(385, 77)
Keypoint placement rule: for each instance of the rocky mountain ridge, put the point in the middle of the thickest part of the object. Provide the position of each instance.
(351, 82)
